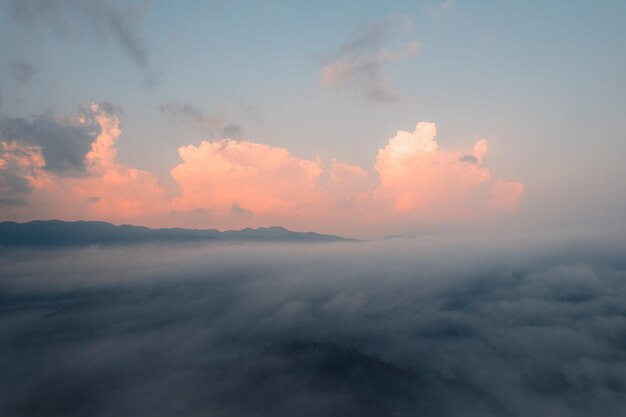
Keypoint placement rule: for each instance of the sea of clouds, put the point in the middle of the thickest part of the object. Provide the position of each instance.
(429, 326)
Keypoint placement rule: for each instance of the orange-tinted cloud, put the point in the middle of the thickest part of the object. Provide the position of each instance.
(418, 177)
(241, 183)
(107, 190)
(229, 183)
(252, 176)
(20, 171)
(111, 189)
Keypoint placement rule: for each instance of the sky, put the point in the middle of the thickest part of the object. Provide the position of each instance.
(363, 119)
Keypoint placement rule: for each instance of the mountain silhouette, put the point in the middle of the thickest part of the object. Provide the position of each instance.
(61, 233)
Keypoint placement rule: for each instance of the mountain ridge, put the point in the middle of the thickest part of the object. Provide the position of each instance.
(84, 232)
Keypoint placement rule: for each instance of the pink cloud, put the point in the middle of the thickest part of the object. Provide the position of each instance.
(269, 184)
(346, 178)
(420, 178)
(107, 191)
(253, 176)
(228, 183)
(20, 171)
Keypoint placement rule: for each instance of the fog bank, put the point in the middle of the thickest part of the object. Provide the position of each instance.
(441, 326)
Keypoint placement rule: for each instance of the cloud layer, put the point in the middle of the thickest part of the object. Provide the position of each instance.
(53, 167)
(531, 325)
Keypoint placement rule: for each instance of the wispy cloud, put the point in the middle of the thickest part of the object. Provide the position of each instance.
(359, 64)
(177, 112)
(105, 19)
(444, 7)
(22, 70)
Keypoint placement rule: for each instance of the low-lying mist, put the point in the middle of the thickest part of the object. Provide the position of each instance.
(430, 326)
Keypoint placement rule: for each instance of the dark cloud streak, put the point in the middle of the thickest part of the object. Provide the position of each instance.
(23, 71)
(180, 112)
(64, 146)
(107, 19)
(359, 65)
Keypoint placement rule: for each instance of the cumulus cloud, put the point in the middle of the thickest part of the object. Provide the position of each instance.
(272, 185)
(64, 142)
(121, 191)
(359, 65)
(107, 20)
(19, 166)
(251, 175)
(419, 177)
(104, 189)
(434, 326)
(177, 112)
(67, 168)
(22, 71)
(418, 182)
(344, 177)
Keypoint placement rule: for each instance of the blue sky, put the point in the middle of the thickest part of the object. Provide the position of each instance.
(544, 82)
